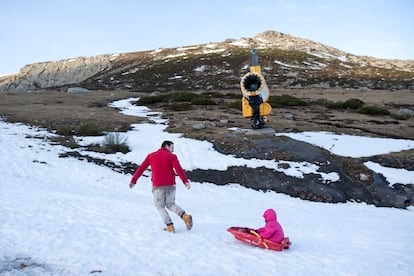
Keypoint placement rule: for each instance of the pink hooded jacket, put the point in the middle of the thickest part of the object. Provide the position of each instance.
(273, 230)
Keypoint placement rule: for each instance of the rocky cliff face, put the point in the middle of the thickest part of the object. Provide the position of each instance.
(286, 61)
(56, 73)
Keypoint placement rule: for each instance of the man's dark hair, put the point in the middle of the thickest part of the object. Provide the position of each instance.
(166, 143)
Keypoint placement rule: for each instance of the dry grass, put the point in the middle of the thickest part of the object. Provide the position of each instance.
(61, 110)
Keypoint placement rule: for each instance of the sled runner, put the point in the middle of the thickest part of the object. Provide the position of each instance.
(250, 236)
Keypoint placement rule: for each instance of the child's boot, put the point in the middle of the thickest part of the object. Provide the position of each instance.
(170, 228)
(188, 220)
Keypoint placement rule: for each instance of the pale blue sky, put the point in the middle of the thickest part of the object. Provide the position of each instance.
(43, 30)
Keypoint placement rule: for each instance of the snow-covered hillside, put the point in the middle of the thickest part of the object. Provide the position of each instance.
(63, 216)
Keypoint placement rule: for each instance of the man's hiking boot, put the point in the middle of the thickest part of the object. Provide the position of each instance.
(170, 228)
(188, 220)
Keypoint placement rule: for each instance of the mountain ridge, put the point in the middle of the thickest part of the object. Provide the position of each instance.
(287, 61)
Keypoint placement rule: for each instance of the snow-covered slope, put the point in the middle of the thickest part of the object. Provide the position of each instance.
(63, 216)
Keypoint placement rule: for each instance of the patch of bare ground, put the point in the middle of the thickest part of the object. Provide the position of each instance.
(318, 117)
(313, 117)
(55, 109)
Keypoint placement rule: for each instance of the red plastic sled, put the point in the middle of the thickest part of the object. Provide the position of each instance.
(250, 236)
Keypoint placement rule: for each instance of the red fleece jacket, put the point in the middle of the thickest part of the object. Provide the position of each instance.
(163, 164)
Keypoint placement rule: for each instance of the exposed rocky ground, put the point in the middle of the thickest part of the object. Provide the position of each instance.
(72, 96)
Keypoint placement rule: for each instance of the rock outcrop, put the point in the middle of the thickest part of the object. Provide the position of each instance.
(371, 187)
(56, 73)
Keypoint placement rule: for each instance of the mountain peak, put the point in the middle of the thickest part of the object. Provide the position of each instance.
(270, 35)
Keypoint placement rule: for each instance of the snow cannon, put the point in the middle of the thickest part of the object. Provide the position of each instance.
(255, 95)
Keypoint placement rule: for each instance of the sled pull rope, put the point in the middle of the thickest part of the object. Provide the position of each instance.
(257, 235)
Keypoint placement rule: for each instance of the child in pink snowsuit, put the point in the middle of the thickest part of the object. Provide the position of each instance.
(273, 230)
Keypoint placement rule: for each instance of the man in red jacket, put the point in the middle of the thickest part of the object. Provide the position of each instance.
(164, 164)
